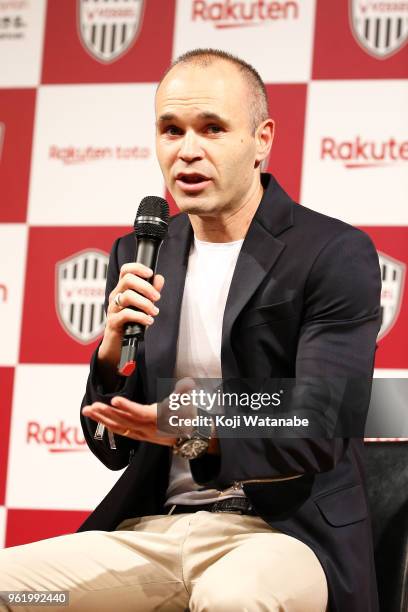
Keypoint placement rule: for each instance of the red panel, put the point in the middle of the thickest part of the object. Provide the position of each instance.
(66, 59)
(337, 54)
(24, 526)
(6, 391)
(16, 133)
(392, 352)
(174, 210)
(43, 338)
(287, 107)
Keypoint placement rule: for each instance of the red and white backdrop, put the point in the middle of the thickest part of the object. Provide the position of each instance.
(77, 82)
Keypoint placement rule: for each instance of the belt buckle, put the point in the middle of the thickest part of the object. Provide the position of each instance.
(229, 510)
(227, 505)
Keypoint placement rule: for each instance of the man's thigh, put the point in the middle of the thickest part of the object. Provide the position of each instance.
(103, 571)
(270, 572)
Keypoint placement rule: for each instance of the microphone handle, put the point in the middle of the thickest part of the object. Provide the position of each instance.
(147, 251)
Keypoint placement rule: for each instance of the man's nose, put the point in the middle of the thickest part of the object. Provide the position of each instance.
(190, 148)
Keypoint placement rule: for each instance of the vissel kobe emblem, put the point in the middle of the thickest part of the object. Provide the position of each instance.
(392, 276)
(108, 28)
(381, 28)
(80, 294)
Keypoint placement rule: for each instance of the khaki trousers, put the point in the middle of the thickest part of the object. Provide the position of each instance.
(201, 561)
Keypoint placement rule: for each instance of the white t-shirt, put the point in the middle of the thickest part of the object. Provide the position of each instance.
(209, 273)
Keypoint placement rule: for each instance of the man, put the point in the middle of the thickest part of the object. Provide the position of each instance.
(256, 286)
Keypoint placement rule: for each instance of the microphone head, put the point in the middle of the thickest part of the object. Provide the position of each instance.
(152, 218)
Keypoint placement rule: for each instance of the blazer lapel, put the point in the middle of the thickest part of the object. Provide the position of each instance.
(258, 255)
(161, 338)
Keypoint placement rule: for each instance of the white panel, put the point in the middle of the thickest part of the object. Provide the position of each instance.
(390, 373)
(21, 42)
(275, 37)
(93, 154)
(13, 241)
(50, 465)
(355, 164)
(3, 514)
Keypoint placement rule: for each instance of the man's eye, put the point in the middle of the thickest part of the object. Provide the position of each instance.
(214, 129)
(172, 130)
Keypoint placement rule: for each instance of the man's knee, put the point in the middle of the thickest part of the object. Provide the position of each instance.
(253, 596)
(209, 599)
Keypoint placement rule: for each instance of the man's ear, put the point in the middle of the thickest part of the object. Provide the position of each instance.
(263, 140)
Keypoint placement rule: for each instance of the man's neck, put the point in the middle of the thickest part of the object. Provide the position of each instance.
(230, 226)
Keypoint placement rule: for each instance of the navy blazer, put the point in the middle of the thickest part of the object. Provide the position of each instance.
(304, 301)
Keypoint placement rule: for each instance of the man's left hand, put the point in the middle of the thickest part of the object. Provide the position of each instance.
(139, 421)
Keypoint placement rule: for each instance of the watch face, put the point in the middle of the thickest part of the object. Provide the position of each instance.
(191, 449)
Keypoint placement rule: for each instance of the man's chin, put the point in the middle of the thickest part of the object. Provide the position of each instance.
(193, 204)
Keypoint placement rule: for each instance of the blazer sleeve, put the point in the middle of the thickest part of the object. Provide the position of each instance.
(130, 387)
(337, 341)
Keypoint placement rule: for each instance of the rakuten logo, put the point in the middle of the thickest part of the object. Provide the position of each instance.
(80, 155)
(58, 438)
(360, 153)
(230, 14)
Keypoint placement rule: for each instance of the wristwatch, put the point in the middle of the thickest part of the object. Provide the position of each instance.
(195, 445)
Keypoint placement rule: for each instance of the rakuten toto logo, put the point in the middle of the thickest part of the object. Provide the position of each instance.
(230, 14)
(57, 438)
(81, 155)
(362, 153)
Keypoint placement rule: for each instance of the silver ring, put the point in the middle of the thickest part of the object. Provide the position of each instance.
(116, 299)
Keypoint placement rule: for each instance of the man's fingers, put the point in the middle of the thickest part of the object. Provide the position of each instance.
(135, 268)
(118, 427)
(184, 385)
(116, 418)
(90, 407)
(144, 414)
(158, 282)
(138, 284)
(136, 300)
(121, 318)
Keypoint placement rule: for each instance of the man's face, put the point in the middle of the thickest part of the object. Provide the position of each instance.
(204, 140)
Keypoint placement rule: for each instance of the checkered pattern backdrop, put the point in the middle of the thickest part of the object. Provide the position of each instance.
(77, 81)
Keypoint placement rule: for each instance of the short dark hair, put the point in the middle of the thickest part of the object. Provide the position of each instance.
(204, 57)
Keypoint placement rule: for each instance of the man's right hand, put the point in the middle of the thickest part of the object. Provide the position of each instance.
(135, 290)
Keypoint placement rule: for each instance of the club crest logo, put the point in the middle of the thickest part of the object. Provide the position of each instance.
(381, 28)
(393, 278)
(108, 29)
(80, 294)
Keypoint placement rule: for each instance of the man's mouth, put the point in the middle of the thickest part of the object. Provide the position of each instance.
(191, 179)
(192, 182)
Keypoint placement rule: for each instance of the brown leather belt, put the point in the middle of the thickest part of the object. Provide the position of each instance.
(237, 505)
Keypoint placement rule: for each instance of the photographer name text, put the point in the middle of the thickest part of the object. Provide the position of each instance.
(236, 421)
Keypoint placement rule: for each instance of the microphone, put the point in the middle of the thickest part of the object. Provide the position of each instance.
(151, 224)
